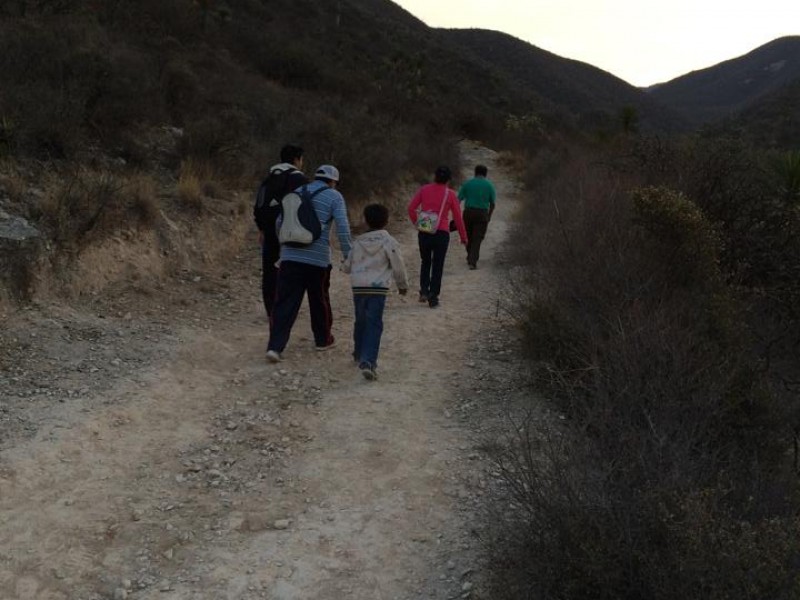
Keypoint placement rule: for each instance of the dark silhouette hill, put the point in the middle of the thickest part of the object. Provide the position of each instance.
(772, 121)
(735, 85)
(79, 74)
(577, 88)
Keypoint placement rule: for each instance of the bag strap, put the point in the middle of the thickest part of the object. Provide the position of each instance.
(444, 203)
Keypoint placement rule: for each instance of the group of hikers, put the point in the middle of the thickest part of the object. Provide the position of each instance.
(373, 260)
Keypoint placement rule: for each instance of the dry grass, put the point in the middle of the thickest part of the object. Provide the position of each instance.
(192, 180)
(12, 183)
(142, 191)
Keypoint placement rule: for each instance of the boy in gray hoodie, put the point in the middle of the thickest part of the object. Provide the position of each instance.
(373, 262)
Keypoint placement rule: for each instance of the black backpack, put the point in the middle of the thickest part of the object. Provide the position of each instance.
(300, 224)
(268, 199)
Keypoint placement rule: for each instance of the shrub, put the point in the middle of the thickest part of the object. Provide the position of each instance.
(670, 473)
(142, 192)
(787, 171)
(180, 88)
(7, 137)
(190, 185)
(85, 205)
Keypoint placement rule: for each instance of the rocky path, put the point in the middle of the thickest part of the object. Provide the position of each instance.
(148, 451)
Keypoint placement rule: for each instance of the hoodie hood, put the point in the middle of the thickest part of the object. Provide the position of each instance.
(373, 242)
(282, 168)
(374, 261)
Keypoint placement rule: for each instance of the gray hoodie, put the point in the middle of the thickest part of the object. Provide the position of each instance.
(373, 262)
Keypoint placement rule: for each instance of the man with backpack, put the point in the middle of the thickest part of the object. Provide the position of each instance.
(282, 179)
(306, 269)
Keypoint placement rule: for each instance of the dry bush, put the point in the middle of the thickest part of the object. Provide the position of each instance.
(81, 207)
(563, 527)
(12, 184)
(142, 191)
(199, 187)
(190, 186)
(677, 438)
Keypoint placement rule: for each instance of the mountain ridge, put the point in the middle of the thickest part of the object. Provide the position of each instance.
(729, 87)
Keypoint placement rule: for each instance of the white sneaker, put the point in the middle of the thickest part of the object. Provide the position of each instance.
(274, 357)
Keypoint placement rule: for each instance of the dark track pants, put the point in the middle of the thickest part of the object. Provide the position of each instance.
(269, 276)
(294, 281)
(432, 252)
(476, 222)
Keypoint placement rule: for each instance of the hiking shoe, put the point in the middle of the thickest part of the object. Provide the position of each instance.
(433, 303)
(423, 298)
(472, 267)
(328, 347)
(369, 373)
(274, 357)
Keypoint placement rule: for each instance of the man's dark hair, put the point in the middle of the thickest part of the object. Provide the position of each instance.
(376, 216)
(442, 175)
(290, 153)
(481, 171)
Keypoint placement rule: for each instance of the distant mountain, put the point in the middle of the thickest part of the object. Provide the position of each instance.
(575, 87)
(735, 85)
(773, 121)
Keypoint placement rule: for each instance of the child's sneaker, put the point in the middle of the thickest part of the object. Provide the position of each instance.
(274, 357)
(368, 371)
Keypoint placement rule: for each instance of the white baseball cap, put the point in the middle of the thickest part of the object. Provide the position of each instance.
(327, 172)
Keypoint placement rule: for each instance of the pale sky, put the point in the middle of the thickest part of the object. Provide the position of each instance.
(641, 41)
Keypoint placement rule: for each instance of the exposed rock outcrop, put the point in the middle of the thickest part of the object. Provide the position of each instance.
(21, 247)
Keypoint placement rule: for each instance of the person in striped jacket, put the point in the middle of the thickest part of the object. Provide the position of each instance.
(307, 270)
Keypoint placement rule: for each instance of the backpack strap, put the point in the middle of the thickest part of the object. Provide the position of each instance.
(314, 193)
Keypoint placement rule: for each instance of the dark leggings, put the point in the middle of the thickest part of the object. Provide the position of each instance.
(432, 251)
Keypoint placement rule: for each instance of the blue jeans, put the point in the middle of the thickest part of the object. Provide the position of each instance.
(368, 328)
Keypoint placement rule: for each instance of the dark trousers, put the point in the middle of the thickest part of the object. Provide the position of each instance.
(432, 251)
(368, 328)
(476, 221)
(269, 274)
(294, 281)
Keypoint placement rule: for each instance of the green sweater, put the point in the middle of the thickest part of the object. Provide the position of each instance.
(478, 192)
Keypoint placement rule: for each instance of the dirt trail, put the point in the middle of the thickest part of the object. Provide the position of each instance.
(183, 466)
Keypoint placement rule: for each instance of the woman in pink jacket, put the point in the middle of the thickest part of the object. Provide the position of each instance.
(435, 202)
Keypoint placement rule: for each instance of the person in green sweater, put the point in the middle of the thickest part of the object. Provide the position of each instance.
(479, 197)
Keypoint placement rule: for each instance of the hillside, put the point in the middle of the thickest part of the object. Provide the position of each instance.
(734, 85)
(118, 116)
(88, 72)
(773, 121)
(581, 90)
